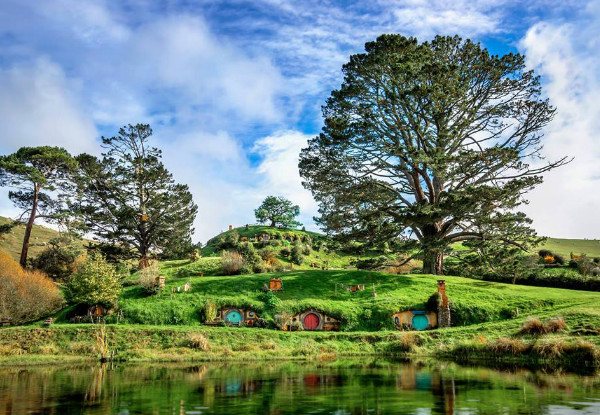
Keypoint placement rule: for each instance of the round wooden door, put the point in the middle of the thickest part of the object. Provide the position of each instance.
(311, 321)
(420, 322)
(234, 317)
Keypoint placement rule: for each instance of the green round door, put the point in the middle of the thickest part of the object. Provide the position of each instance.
(420, 322)
(234, 317)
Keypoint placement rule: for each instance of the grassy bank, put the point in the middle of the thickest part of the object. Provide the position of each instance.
(473, 302)
(574, 348)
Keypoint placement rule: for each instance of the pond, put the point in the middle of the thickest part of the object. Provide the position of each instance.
(339, 387)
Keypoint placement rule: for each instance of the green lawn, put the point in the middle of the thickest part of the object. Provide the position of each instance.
(473, 301)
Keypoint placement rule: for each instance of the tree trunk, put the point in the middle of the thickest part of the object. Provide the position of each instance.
(272, 223)
(25, 248)
(433, 263)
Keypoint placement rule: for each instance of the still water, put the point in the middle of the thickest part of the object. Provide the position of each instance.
(345, 387)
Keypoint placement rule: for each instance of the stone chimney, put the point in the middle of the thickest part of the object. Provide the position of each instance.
(443, 305)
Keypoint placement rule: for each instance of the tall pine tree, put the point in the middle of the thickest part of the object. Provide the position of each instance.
(129, 198)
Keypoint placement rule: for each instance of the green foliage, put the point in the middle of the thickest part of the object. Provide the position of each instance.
(147, 278)
(232, 263)
(278, 211)
(411, 154)
(250, 254)
(129, 198)
(32, 172)
(61, 259)
(296, 255)
(95, 282)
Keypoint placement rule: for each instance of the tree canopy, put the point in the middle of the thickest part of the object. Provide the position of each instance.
(129, 198)
(34, 173)
(429, 144)
(278, 211)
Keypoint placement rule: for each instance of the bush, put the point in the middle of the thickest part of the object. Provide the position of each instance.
(306, 250)
(267, 254)
(25, 295)
(533, 326)
(285, 252)
(556, 325)
(506, 345)
(259, 268)
(209, 312)
(147, 278)
(371, 263)
(232, 262)
(96, 282)
(249, 253)
(296, 255)
(198, 341)
(61, 259)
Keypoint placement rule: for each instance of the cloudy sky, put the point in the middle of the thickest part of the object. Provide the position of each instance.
(233, 88)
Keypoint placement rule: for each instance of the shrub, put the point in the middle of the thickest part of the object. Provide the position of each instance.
(259, 268)
(285, 252)
(249, 253)
(371, 263)
(209, 312)
(147, 278)
(25, 295)
(61, 259)
(231, 262)
(296, 255)
(533, 326)
(267, 254)
(595, 272)
(96, 282)
(306, 250)
(406, 344)
(198, 341)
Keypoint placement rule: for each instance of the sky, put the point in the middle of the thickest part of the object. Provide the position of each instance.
(233, 89)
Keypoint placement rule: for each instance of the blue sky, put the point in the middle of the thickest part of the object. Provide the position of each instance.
(233, 89)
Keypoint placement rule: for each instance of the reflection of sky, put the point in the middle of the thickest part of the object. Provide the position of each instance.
(234, 88)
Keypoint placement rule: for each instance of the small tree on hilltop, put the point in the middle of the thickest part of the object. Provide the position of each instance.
(33, 172)
(278, 211)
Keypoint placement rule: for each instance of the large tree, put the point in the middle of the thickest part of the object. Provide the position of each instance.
(277, 210)
(428, 144)
(35, 174)
(129, 198)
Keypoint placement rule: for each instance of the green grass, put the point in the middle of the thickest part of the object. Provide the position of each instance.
(12, 242)
(473, 301)
(564, 247)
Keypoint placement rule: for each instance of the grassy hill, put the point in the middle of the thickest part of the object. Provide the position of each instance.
(564, 247)
(167, 327)
(474, 302)
(12, 242)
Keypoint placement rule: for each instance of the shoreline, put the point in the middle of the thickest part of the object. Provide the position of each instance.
(34, 345)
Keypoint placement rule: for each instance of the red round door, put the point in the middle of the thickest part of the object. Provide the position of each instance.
(311, 321)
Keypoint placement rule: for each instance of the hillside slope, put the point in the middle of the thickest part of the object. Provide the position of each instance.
(12, 242)
(473, 301)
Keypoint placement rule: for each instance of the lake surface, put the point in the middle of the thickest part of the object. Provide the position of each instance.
(345, 387)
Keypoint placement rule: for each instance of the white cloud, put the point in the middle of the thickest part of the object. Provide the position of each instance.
(566, 205)
(279, 175)
(40, 106)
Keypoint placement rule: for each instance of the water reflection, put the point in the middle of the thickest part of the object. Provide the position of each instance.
(346, 387)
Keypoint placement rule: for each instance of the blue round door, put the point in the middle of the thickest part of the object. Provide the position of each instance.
(234, 317)
(420, 322)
